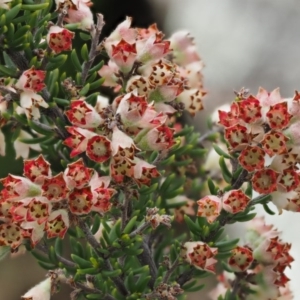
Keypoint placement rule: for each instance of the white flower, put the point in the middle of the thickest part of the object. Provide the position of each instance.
(2, 144)
(41, 291)
(31, 102)
(22, 149)
(3, 5)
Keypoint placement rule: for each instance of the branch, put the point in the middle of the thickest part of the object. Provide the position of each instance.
(5, 91)
(43, 248)
(145, 259)
(18, 59)
(124, 216)
(240, 180)
(171, 270)
(95, 33)
(139, 230)
(185, 277)
(96, 246)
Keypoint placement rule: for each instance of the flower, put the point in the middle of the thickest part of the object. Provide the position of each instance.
(240, 259)
(78, 12)
(209, 207)
(22, 149)
(200, 255)
(59, 39)
(3, 4)
(30, 83)
(41, 291)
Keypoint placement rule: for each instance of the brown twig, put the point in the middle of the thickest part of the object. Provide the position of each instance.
(95, 33)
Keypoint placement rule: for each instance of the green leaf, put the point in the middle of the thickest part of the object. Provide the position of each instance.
(52, 255)
(75, 61)
(142, 283)
(167, 182)
(61, 102)
(173, 193)
(20, 32)
(93, 296)
(84, 36)
(34, 7)
(39, 129)
(36, 140)
(193, 227)
(7, 71)
(96, 224)
(96, 84)
(58, 63)
(225, 246)
(82, 263)
(212, 188)
(8, 62)
(225, 172)
(92, 99)
(128, 228)
(84, 52)
(12, 12)
(221, 152)
(113, 273)
(97, 67)
(47, 266)
(245, 218)
(148, 190)
(2, 20)
(196, 288)
(115, 231)
(187, 130)
(268, 210)
(52, 79)
(58, 246)
(90, 271)
(72, 26)
(84, 90)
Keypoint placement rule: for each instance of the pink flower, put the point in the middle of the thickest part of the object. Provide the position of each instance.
(59, 39)
(124, 55)
(78, 12)
(240, 259)
(158, 138)
(200, 255)
(152, 48)
(83, 115)
(78, 141)
(16, 188)
(36, 169)
(31, 80)
(77, 175)
(144, 172)
(235, 201)
(209, 207)
(184, 48)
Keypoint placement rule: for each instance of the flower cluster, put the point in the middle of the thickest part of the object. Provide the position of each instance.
(264, 132)
(39, 202)
(166, 72)
(138, 119)
(262, 262)
(211, 206)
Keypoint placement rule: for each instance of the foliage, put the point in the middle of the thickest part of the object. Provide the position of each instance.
(120, 177)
